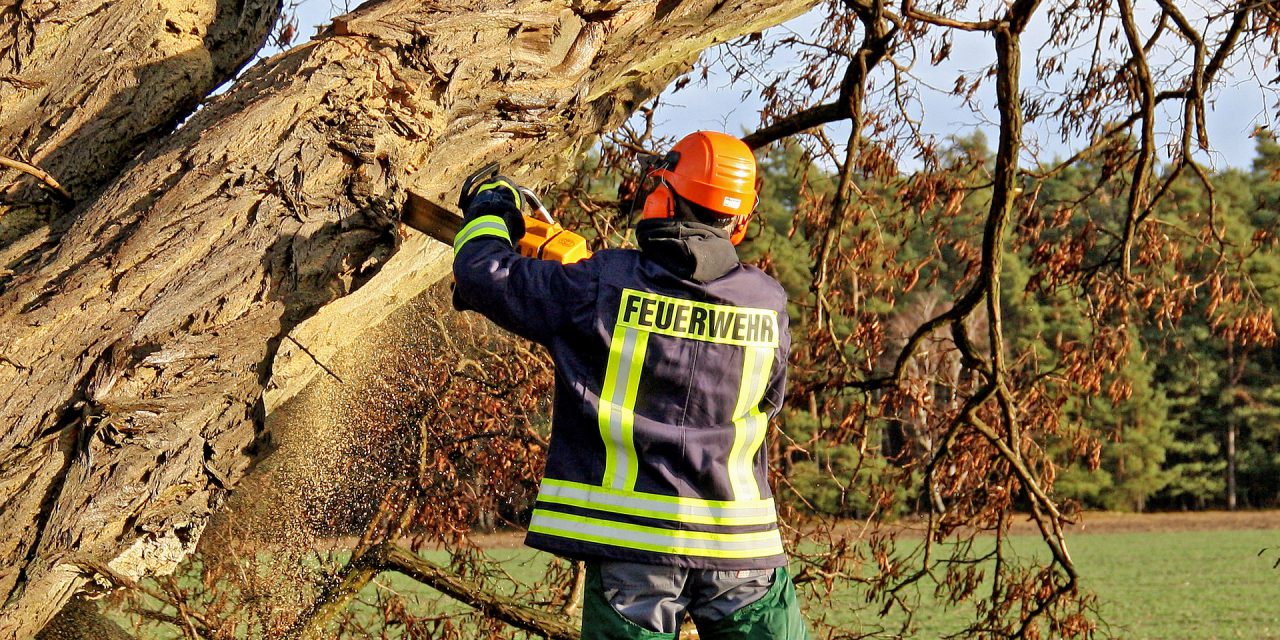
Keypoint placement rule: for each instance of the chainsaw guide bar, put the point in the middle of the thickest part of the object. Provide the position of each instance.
(542, 239)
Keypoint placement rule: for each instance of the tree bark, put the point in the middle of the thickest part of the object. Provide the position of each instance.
(81, 619)
(136, 353)
(85, 84)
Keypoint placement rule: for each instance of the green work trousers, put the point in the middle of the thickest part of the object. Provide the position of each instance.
(774, 616)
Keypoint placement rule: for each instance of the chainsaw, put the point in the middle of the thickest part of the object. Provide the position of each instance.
(543, 238)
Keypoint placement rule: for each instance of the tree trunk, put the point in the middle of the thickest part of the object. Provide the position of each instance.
(1231, 463)
(82, 619)
(137, 352)
(85, 84)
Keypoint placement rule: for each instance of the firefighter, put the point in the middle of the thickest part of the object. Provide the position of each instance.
(669, 362)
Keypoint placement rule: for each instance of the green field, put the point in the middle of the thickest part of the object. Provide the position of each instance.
(1151, 585)
(1157, 585)
(1185, 584)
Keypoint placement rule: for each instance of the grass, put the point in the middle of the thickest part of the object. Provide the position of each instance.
(1167, 585)
(1192, 585)
(1201, 584)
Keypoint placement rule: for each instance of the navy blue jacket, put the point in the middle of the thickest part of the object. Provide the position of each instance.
(669, 363)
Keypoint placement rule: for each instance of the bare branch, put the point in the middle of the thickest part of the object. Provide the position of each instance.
(874, 48)
(909, 10)
(47, 181)
(1146, 151)
(797, 123)
(516, 614)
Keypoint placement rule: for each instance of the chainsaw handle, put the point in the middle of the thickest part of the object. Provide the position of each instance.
(535, 203)
(490, 171)
(480, 176)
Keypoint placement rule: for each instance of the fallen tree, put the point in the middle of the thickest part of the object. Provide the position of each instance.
(225, 271)
(84, 85)
(137, 348)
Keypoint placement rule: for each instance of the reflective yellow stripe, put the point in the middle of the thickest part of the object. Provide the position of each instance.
(641, 314)
(759, 544)
(718, 323)
(659, 507)
(617, 406)
(481, 226)
(495, 185)
(749, 423)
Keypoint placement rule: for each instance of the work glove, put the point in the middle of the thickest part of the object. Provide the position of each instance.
(497, 196)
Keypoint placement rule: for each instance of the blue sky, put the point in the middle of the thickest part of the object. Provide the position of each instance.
(1235, 110)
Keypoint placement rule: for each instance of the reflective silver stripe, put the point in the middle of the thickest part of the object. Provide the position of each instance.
(617, 406)
(482, 226)
(690, 510)
(759, 544)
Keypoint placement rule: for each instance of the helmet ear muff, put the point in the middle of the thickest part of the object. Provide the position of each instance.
(659, 203)
(739, 232)
(739, 229)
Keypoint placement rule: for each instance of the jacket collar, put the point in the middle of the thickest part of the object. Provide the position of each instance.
(691, 250)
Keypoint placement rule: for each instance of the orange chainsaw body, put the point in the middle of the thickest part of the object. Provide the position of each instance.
(550, 241)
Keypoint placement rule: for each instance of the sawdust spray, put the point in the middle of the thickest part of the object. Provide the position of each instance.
(433, 400)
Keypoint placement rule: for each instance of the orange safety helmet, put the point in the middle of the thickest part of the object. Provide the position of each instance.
(711, 169)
